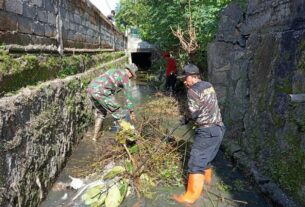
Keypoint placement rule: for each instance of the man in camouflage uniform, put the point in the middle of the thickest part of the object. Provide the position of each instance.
(102, 89)
(204, 110)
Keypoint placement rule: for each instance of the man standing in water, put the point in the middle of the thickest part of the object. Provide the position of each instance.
(102, 90)
(170, 72)
(203, 109)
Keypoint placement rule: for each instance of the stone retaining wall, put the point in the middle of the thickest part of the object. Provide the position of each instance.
(38, 128)
(57, 24)
(256, 63)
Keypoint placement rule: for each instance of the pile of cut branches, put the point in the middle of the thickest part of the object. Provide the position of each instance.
(137, 160)
(143, 154)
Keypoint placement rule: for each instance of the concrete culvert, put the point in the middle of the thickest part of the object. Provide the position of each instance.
(142, 60)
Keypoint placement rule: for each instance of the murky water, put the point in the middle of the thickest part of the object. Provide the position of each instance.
(229, 187)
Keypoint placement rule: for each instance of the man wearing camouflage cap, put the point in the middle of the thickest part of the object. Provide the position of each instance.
(102, 89)
(204, 111)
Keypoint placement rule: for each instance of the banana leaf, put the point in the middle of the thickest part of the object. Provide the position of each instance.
(114, 197)
(94, 196)
(123, 189)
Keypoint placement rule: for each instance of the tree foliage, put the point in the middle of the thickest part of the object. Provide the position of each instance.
(154, 19)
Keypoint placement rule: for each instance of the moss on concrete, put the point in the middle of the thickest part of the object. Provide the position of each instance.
(284, 87)
(2, 176)
(286, 166)
(31, 69)
(286, 157)
(281, 157)
(46, 141)
(8, 64)
(252, 144)
(301, 61)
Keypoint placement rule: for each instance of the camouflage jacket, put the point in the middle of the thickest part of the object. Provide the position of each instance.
(110, 83)
(203, 104)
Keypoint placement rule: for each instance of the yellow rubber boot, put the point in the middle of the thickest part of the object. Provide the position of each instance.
(208, 176)
(194, 189)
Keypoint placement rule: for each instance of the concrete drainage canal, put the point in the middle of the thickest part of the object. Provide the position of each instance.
(140, 168)
(41, 125)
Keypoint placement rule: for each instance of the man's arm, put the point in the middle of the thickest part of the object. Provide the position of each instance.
(193, 104)
(129, 100)
(127, 92)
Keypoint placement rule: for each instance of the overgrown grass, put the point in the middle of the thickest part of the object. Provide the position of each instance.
(21, 71)
(146, 152)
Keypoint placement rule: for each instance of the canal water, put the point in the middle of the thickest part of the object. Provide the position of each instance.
(229, 187)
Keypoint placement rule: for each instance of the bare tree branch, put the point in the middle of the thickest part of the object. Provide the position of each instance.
(188, 43)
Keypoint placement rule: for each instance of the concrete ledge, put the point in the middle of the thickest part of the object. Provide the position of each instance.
(265, 184)
(51, 49)
(299, 98)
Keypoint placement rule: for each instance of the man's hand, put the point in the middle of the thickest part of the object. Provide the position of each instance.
(184, 120)
(133, 116)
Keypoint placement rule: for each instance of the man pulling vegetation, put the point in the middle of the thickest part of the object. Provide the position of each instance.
(204, 110)
(102, 89)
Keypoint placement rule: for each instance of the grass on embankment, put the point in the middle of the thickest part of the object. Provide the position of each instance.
(17, 71)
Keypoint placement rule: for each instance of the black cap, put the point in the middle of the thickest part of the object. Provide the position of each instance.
(189, 69)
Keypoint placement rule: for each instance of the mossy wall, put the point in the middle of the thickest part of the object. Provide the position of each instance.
(38, 129)
(264, 64)
(17, 71)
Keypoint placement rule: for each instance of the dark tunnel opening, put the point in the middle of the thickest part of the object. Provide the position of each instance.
(142, 60)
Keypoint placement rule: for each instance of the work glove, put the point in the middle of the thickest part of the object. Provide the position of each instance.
(116, 126)
(184, 120)
(133, 116)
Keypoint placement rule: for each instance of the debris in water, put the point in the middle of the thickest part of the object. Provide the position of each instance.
(117, 170)
(64, 197)
(60, 186)
(76, 183)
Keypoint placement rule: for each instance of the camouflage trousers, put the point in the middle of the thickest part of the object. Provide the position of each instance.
(107, 104)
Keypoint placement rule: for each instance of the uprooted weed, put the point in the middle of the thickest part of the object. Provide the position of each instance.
(147, 155)
(146, 150)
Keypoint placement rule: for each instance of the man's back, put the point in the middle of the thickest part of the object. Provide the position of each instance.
(203, 104)
(171, 66)
(110, 82)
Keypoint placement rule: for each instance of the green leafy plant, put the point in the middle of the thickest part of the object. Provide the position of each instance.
(155, 18)
(239, 185)
(110, 195)
(70, 66)
(7, 63)
(31, 62)
(223, 187)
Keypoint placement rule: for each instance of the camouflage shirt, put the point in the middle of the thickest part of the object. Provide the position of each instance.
(203, 104)
(110, 83)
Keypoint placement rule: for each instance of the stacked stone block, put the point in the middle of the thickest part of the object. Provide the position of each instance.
(257, 65)
(38, 129)
(73, 24)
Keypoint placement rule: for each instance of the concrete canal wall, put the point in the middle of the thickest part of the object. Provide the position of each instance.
(38, 128)
(257, 66)
(56, 25)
